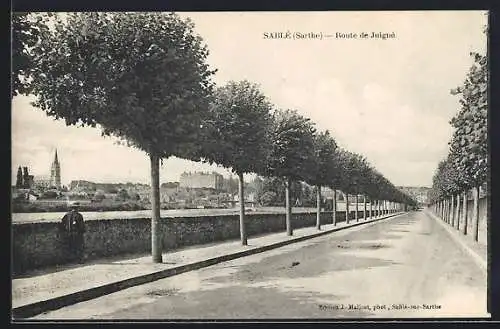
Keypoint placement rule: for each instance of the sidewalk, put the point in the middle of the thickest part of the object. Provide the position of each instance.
(478, 251)
(46, 290)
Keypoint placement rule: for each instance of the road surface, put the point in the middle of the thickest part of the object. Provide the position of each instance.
(402, 267)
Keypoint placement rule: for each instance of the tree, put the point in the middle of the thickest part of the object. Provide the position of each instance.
(466, 166)
(308, 195)
(335, 179)
(469, 144)
(291, 155)
(122, 194)
(26, 31)
(26, 179)
(268, 198)
(98, 197)
(233, 185)
(361, 180)
(324, 154)
(346, 161)
(141, 77)
(236, 134)
(358, 173)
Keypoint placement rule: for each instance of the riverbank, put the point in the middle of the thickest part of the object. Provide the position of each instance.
(43, 217)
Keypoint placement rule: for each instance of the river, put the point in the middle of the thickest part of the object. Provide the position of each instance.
(94, 215)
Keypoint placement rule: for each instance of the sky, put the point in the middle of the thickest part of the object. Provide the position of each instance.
(388, 100)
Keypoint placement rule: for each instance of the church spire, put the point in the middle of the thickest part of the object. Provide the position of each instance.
(55, 172)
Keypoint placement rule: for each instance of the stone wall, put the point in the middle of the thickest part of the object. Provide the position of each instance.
(482, 225)
(38, 245)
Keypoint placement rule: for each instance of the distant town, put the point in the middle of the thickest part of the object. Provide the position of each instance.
(42, 193)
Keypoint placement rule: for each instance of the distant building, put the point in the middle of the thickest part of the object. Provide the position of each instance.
(41, 181)
(211, 180)
(82, 185)
(418, 193)
(27, 179)
(55, 173)
(170, 185)
(32, 196)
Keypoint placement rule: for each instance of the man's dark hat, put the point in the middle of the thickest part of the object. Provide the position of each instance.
(74, 205)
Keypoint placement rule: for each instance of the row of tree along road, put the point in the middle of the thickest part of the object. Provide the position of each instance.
(465, 169)
(143, 78)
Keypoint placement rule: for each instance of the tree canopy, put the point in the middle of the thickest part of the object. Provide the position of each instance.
(466, 165)
(325, 148)
(26, 30)
(237, 128)
(292, 146)
(141, 77)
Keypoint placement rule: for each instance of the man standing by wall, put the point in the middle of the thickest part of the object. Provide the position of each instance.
(74, 228)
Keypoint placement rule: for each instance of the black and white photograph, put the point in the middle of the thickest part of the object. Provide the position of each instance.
(249, 165)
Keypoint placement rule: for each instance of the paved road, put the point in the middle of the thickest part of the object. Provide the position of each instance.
(398, 264)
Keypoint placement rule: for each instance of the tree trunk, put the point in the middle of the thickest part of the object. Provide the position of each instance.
(452, 210)
(241, 197)
(156, 245)
(288, 206)
(356, 215)
(457, 211)
(364, 207)
(318, 207)
(475, 232)
(446, 210)
(465, 210)
(346, 208)
(446, 206)
(371, 208)
(334, 207)
(379, 213)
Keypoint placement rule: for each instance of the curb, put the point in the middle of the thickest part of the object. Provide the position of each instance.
(478, 259)
(33, 309)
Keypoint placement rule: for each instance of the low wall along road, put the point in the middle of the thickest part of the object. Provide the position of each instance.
(38, 245)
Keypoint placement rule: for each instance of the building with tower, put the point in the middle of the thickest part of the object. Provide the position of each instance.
(199, 180)
(55, 173)
(41, 182)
